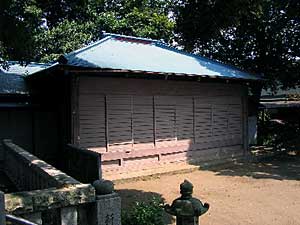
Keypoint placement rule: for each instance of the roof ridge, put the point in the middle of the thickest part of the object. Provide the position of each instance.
(131, 37)
(87, 46)
(105, 37)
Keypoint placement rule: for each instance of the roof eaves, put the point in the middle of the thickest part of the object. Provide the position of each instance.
(171, 48)
(118, 71)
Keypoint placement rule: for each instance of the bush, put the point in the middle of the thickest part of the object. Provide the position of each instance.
(144, 213)
(278, 133)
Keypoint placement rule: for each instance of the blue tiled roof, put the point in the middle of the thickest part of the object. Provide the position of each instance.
(125, 53)
(12, 79)
(23, 70)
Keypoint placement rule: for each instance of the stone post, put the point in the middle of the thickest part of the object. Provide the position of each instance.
(2, 209)
(107, 210)
(69, 216)
(186, 208)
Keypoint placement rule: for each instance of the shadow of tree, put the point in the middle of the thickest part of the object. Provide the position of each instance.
(284, 166)
(131, 196)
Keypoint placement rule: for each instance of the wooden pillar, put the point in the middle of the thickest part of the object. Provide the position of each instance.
(74, 110)
(245, 123)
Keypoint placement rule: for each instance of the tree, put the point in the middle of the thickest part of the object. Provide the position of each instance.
(47, 29)
(19, 22)
(261, 36)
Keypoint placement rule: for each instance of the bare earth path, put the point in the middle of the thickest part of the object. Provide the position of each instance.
(266, 193)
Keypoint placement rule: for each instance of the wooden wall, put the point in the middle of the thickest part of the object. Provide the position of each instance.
(32, 129)
(16, 125)
(139, 123)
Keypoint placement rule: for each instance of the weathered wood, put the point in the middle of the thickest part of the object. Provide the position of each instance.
(82, 164)
(75, 131)
(205, 143)
(159, 115)
(245, 124)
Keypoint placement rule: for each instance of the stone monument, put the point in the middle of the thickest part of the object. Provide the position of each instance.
(186, 208)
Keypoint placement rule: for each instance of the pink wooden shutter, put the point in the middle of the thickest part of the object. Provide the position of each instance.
(203, 120)
(92, 121)
(142, 122)
(165, 117)
(184, 119)
(119, 124)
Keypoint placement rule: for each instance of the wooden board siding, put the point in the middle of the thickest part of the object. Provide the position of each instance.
(141, 123)
(92, 121)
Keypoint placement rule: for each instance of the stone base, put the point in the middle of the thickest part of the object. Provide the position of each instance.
(187, 220)
(107, 210)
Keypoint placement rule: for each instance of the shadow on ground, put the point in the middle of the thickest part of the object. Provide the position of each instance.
(285, 166)
(131, 196)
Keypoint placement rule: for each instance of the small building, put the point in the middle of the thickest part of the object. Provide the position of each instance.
(14, 98)
(20, 119)
(143, 104)
(280, 117)
(140, 104)
(281, 99)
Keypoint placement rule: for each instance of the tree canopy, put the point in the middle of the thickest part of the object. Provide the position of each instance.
(261, 36)
(41, 30)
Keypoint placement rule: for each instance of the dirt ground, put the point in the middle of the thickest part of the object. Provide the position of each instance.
(266, 192)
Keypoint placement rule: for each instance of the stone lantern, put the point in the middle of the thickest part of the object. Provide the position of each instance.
(186, 208)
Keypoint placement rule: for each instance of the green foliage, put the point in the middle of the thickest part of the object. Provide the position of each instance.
(19, 22)
(144, 213)
(261, 36)
(63, 38)
(279, 134)
(41, 30)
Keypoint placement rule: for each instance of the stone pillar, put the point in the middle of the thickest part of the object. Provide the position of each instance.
(107, 210)
(2, 209)
(35, 218)
(69, 216)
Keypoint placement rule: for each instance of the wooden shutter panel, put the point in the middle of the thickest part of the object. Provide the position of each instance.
(184, 118)
(119, 124)
(203, 119)
(220, 121)
(165, 116)
(235, 122)
(92, 121)
(142, 122)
